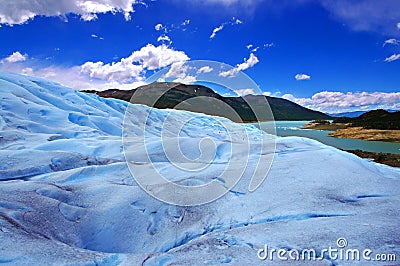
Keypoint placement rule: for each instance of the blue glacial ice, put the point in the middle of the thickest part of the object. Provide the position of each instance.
(67, 196)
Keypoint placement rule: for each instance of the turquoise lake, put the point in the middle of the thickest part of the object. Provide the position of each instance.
(295, 128)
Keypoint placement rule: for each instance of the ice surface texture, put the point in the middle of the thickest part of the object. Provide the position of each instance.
(67, 196)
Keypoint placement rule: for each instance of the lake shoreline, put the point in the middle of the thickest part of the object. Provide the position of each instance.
(367, 134)
(387, 153)
(346, 130)
(389, 159)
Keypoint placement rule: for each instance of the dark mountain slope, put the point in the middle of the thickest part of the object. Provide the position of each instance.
(376, 119)
(179, 96)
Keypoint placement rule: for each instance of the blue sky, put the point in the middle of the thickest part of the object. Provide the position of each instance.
(345, 54)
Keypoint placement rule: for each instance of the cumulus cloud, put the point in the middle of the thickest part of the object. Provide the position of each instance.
(149, 57)
(15, 57)
(250, 62)
(18, 12)
(179, 72)
(122, 71)
(186, 80)
(302, 77)
(244, 92)
(233, 21)
(126, 73)
(155, 57)
(332, 102)
(393, 57)
(205, 69)
(71, 76)
(398, 26)
(177, 69)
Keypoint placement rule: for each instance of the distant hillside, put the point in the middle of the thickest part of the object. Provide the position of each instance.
(179, 95)
(348, 114)
(354, 113)
(377, 119)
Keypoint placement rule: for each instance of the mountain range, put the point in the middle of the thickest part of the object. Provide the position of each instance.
(205, 100)
(376, 119)
(355, 113)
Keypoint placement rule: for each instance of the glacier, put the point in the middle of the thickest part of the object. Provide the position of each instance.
(68, 198)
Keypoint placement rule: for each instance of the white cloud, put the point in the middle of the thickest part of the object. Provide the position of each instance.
(255, 49)
(291, 97)
(95, 36)
(398, 26)
(122, 71)
(217, 29)
(391, 41)
(267, 93)
(332, 102)
(124, 74)
(224, 2)
(237, 21)
(152, 57)
(71, 77)
(164, 38)
(178, 71)
(15, 57)
(186, 22)
(365, 15)
(149, 57)
(393, 57)
(243, 92)
(158, 27)
(205, 69)
(186, 80)
(233, 4)
(250, 62)
(302, 77)
(18, 12)
(233, 21)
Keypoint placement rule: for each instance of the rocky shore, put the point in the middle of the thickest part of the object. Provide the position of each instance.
(325, 125)
(348, 130)
(379, 157)
(367, 134)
